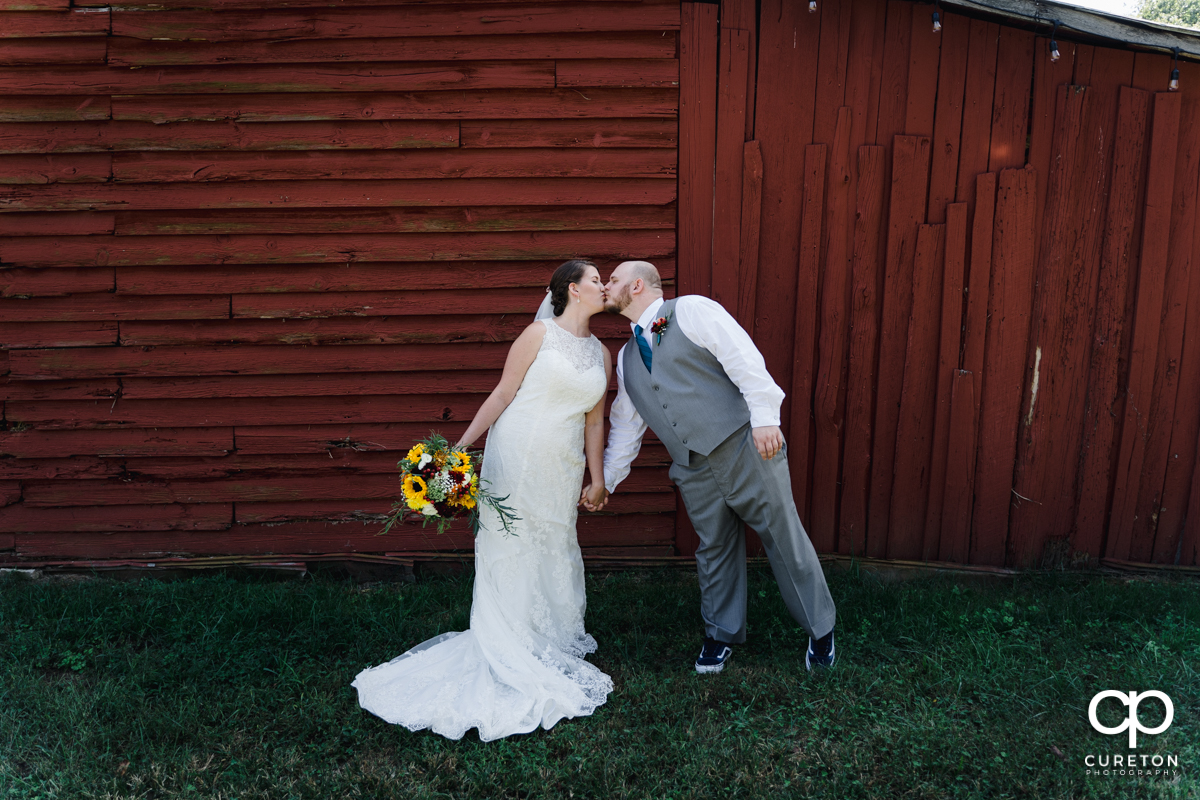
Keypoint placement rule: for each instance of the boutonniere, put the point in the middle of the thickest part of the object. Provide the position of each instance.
(659, 326)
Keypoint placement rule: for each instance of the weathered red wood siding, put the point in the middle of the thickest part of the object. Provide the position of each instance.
(251, 252)
(978, 272)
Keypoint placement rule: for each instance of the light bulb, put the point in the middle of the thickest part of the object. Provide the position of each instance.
(812, 6)
(1174, 83)
(937, 23)
(1054, 54)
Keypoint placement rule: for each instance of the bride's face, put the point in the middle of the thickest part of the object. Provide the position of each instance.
(591, 291)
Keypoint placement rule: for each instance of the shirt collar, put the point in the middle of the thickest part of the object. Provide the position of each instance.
(648, 315)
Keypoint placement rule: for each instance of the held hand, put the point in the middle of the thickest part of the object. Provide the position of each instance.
(768, 440)
(593, 498)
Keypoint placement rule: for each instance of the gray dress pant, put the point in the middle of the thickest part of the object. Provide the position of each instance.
(732, 485)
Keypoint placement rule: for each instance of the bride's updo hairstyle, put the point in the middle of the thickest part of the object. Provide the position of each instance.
(568, 272)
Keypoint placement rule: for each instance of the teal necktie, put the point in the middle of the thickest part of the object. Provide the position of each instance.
(643, 346)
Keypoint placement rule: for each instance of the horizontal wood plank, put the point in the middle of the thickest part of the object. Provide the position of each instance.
(73, 468)
(415, 329)
(26, 282)
(338, 194)
(104, 306)
(313, 385)
(630, 72)
(35, 5)
(63, 223)
(357, 220)
(476, 104)
(78, 251)
(38, 24)
(126, 51)
(570, 133)
(15, 335)
(26, 518)
(241, 79)
(67, 168)
(55, 108)
(352, 277)
(67, 50)
(117, 135)
(224, 412)
(206, 167)
(133, 443)
(70, 363)
(401, 20)
(18, 389)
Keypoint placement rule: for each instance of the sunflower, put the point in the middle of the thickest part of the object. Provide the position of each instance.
(414, 455)
(414, 492)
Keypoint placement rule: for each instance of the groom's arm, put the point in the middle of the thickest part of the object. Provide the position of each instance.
(707, 324)
(626, 428)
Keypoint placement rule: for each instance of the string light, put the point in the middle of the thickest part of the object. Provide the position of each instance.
(1054, 54)
(1173, 84)
(937, 23)
(812, 6)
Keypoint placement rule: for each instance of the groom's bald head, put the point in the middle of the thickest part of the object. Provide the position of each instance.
(644, 270)
(632, 286)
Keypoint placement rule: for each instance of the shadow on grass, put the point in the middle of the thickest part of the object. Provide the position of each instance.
(235, 687)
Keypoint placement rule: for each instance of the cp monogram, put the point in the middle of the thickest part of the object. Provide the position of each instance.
(1133, 724)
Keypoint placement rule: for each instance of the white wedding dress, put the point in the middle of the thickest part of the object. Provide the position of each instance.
(520, 665)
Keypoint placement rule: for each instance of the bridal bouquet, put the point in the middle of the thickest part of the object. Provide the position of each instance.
(440, 483)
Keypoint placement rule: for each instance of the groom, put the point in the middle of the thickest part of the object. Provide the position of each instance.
(693, 375)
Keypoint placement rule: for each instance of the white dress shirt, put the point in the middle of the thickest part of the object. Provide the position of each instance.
(705, 323)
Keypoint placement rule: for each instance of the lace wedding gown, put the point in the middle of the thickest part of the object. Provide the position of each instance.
(520, 665)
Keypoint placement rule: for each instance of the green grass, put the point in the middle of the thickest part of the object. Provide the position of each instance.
(946, 687)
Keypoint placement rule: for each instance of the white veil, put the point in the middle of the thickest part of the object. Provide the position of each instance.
(546, 309)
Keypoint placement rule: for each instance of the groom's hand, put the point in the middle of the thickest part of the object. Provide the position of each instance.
(768, 440)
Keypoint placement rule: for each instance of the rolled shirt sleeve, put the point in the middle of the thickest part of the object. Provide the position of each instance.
(706, 323)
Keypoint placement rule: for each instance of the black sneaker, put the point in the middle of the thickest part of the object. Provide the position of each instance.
(821, 652)
(713, 655)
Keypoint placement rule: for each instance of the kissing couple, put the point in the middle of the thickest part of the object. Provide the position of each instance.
(692, 375)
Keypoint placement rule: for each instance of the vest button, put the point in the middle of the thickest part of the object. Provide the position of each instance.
(656, 388)
(664, 405)
(672, 424)
(685, 441)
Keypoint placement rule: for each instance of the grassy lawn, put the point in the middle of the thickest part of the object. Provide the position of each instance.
(224, 687)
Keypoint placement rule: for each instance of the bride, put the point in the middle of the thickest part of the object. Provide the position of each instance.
(520, 665)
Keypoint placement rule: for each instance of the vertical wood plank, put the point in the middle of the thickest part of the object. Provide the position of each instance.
(924, 54)
(864, 325)
(1182, 460)
(697, 145)
(954, 542)
(805, 333)
(893, 90)
(914, 427)
(830, 390)
(1151, 541)
(1010, 302)
(752, 176)
(1104, 402)
(980, 88)
(953, 287)
(787, 68)
(864, 69)
(1048, 76)
(1151, 282)
(731, 125)
(831, 68)
(1056, 366)
(1010, 105)
(910, 175)
(947, 125)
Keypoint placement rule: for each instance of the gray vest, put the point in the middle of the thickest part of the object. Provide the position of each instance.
(688, 401)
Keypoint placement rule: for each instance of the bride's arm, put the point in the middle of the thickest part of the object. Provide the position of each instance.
(593, 437)
(520, 356)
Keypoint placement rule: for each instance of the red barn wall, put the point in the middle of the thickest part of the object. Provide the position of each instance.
(251, 252)
(976, 270)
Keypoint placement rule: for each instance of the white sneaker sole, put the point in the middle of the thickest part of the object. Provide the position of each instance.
(704, 669)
